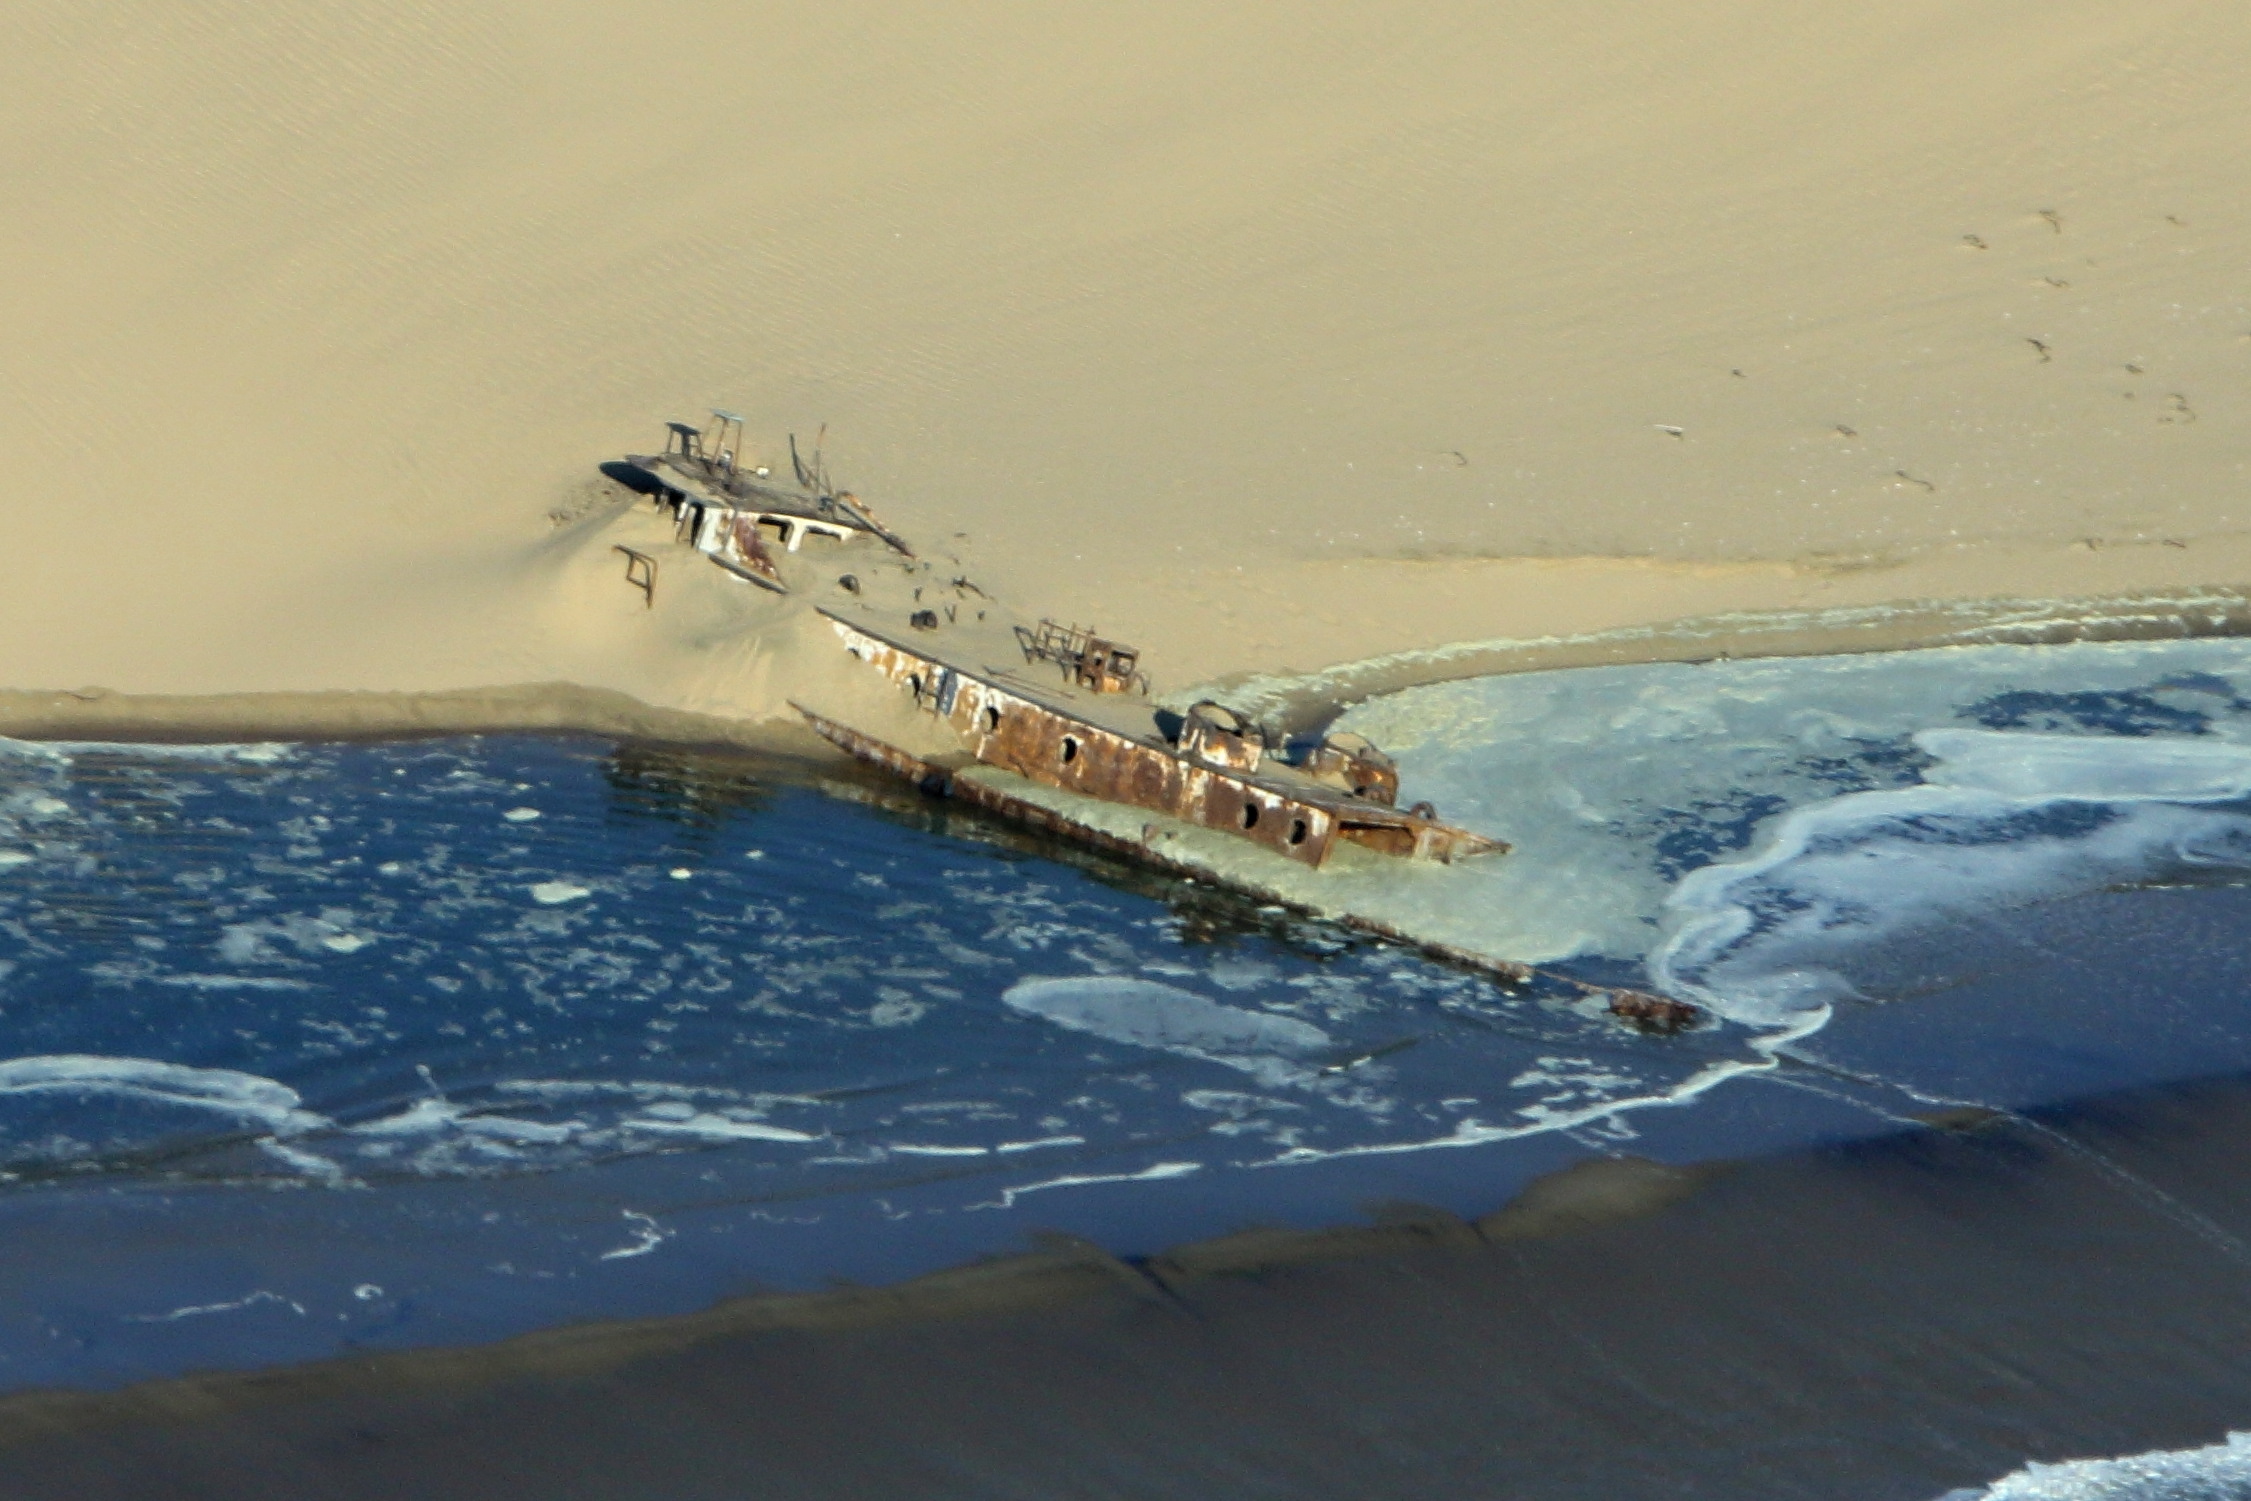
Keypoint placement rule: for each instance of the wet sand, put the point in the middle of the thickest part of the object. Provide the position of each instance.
(809, 665)
(1884, 1320)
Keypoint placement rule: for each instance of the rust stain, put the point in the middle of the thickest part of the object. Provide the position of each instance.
(750, 551)
(1653, 1013)
(1211, 778)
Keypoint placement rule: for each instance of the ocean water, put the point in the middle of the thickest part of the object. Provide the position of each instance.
(314, 1048)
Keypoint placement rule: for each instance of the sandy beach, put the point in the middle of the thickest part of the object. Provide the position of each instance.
(1267, 340)
(1321, 351)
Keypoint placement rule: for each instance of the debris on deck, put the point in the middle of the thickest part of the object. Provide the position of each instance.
(729, 512)
(1208, 767)
(1086, 659)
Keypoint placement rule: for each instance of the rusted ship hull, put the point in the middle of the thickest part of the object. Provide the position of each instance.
(1640, 1009)
(1014, 730)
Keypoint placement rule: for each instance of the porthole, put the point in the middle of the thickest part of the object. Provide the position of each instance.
(1250, 814)
(1298, 831)
(992, 720)
(1070, 750)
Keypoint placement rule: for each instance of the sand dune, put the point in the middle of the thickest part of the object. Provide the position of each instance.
(1272, 337)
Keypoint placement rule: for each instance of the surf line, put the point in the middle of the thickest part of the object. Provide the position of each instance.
(1472, 1133)
(200, 1309)
(1156, 1173)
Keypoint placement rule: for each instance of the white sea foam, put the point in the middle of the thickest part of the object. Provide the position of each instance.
(669, 1095)
(33, 750)
(230, 982)
(254, 753)
(1145, 1014)
(253, 942)
(2088, 768)
(716, 1128)
(307, 1164)
(2219, 1472)
(244, 1096)
(1609, 780)
(436, 1116)
(1042, 1144)
(647, 1236)
(1155, 1174)
(1589, 773)
(39, 807)
(201, 1310)
(1546, 1117)
(1773, 933)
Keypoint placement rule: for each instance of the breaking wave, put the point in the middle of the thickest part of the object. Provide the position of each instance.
(239, 1096)
(2218, 1472)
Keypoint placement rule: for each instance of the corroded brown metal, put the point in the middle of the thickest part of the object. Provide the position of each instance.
(1217, 736)
(1352, 762)
(641, 573)
(939, 781)
(1653, 1013)
(1296, 817)
(749, 550)
(699, 468)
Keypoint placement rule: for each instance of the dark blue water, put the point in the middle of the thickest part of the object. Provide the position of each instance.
(321, 1045)
(312, 1048)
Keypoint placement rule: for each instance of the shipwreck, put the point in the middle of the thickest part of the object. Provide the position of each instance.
(738, 515)
(1075, 713)
(1055, 705)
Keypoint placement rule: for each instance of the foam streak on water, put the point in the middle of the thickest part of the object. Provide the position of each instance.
(1754, 831)
(408, 978)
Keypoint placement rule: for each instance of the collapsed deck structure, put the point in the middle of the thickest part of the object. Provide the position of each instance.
(737, 515)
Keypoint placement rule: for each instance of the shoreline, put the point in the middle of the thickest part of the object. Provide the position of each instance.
(1306, 703)
(1059, 1270)
(1294, 702)
(98, 714)
(1545, 1348)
